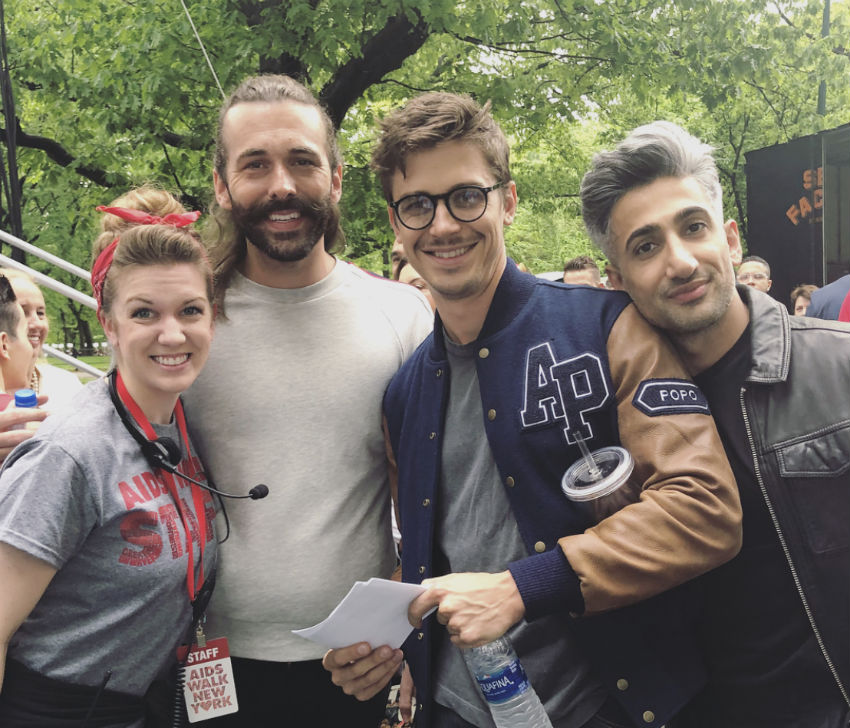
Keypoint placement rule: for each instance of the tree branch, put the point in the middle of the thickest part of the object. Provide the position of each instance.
(509, 47)
(838, 50)
(55, 151)
(383, 52)
(189, 200)
(776, 113)
(782, 15)
(731, 174)
(414, 89)
(285, 62)
(179, 141)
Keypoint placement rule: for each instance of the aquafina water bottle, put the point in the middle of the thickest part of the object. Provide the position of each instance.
(503, 682)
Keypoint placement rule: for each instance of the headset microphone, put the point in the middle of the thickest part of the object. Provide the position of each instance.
(258, 491)
(165, 453)
(168, 452)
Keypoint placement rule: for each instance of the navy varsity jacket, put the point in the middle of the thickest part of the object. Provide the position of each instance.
(555, 361)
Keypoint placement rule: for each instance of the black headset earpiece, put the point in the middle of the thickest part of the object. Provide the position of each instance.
(164, 452)
(168, 452)
(160, 453)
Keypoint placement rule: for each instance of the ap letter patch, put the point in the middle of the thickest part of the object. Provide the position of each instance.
(670, 397)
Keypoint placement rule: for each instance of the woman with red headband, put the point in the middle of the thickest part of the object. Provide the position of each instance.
(106, 549)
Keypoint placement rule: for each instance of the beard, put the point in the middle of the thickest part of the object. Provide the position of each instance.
(320, 217)
(687, 320)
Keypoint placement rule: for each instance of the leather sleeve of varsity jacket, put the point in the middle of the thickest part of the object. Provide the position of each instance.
(688, 516)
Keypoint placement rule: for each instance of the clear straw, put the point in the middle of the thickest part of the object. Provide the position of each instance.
(592, 468)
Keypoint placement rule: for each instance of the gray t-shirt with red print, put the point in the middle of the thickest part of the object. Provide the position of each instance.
(81, 496)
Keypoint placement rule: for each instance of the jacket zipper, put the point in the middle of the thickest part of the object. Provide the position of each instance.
(787, 552)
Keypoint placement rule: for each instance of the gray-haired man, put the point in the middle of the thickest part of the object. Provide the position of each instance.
(776, 617)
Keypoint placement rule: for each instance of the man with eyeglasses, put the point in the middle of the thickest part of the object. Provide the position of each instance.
(484, 419)
(755, 272)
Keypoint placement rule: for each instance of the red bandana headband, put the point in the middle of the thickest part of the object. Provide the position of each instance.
(104, 260)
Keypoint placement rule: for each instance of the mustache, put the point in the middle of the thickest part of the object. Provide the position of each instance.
(257, 213)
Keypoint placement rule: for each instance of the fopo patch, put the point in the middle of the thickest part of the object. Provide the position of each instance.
(670, 397)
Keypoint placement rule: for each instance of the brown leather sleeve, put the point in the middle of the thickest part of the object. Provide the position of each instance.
(687, 519)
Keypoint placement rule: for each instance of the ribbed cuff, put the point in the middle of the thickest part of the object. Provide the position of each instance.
(547, 584)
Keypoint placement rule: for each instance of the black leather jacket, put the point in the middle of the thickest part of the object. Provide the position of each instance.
(796, 408)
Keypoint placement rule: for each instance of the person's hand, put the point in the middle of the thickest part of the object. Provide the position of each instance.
(9, 439)
(406, 692)
(361, 671)
(476, 608)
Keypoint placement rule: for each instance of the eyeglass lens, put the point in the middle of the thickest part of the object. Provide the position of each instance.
(465, 204)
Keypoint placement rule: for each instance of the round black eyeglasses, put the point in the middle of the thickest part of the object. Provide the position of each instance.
(465, 204)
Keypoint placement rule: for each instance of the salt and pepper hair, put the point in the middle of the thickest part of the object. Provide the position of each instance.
(759, 260)
(227, 246)
(651, 152)
(148, 244)
(434, 118)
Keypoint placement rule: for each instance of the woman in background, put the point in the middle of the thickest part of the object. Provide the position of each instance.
(801, 298)
(58, 384)
(406, 273)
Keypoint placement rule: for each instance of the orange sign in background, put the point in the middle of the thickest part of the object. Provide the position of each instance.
(810, 205)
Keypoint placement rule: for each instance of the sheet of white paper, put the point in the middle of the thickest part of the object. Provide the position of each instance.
(373, 611)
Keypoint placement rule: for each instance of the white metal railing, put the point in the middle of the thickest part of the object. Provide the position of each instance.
(48, 282)
(44, 255)
(81, 365)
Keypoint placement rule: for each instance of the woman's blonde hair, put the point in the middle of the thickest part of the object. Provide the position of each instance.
(158, 244)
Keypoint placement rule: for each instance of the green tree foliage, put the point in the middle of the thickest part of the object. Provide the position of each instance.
(113, 93)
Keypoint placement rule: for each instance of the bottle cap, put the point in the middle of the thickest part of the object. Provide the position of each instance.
(26, 398)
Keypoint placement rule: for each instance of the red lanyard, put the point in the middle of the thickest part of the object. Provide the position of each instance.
(171, 485)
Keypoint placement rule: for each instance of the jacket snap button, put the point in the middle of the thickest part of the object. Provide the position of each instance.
(540, 547)
(432, 435)
(484, 352)
(426, 502)
(491, 415)
(510, 482)
(622, 684)
(421, 569)
(419, 635)
(648, 716)
(439, 372)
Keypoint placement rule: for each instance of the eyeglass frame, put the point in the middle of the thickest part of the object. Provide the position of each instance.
(445, 198)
